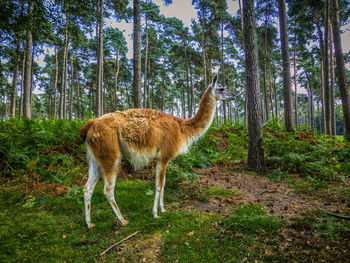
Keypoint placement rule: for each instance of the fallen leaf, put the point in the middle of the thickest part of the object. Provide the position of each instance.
(328, 247)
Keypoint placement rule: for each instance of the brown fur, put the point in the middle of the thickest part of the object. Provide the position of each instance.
(144, 130)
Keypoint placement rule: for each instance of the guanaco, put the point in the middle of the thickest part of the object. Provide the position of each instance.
(140, 136)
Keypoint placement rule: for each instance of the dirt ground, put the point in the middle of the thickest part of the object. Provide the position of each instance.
(279, 198)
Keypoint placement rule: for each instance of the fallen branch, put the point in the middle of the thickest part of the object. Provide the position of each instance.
(338, 216)
(118, 243)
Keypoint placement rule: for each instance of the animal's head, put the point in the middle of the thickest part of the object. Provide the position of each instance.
(220, 92)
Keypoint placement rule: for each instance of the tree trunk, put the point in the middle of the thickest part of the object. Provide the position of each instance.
(340, 69)
(145, 91)
(255, 152)
(271, 89)
(27, 111)
(163, 93)
(295, 84)
(223, 66)
(242, 22)
(203, 51)
(14, 81)
(320, 38)
(331, 86)
(71, 100)
(62, 106)
(78, 88)
(267, 110)
(286, 67)
(326, 77)
(137, 55)
(99, 84)
(115, 84)
(22, 82)
(56, 81)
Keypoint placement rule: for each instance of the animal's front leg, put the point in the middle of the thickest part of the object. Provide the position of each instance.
(159, 188)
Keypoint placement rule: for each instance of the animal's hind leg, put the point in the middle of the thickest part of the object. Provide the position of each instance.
(110, 179)
(94, 175)
(160, 182)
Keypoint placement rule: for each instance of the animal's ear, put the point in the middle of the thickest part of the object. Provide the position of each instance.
(214, 81)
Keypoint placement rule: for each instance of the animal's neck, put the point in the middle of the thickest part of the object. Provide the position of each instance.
(200, 122)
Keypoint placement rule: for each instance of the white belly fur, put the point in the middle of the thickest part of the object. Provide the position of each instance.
(138, 159)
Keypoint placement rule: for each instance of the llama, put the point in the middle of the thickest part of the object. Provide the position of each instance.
(140, 136)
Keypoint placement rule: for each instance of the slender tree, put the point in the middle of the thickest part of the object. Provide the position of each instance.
(27, 111)
(137, 55)
(255, 152)
(14, 80)
(327, 104)
(286, 67)
(99, 84)
(340, 68)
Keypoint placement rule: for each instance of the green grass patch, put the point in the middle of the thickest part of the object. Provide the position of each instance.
(221, 192)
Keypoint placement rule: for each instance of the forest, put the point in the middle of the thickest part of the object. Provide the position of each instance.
(269, 180)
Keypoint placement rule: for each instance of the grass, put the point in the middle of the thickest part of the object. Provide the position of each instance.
(57, 227)
(220, 192)
(41, 201)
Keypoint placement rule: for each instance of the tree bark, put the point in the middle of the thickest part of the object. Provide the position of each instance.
(71, 100)
(163, 93)
(286, 67)
(22, 82)
(27, 111)
(146, 94)
(255, 152)
(204, 52)
(295, 84)
(62, 106)
(115, 84)
(55, 87)
(267, 110)
(320, 37)
(99, 84)
(326, 77)
(14, 81)
(78, 88)
(137, 55)
(331, 78)
(223, 66)
(271, 89)
(340, 69)
(242, 22)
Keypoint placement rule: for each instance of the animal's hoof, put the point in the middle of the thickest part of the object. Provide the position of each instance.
(91, 225)
(162, 210)
(121, 222)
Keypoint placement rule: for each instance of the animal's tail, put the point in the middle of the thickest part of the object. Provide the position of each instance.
(85, 128)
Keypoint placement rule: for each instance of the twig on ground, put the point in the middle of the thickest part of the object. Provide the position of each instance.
(338, 216)
(118, 243)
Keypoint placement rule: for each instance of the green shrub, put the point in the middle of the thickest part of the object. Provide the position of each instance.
(48, 148)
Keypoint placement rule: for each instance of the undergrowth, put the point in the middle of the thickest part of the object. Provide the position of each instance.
(47, 150)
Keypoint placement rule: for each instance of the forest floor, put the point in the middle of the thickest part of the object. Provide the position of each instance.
(228, 215)
(217, 211)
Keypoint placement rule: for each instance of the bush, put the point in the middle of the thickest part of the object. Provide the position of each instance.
(48, 148)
